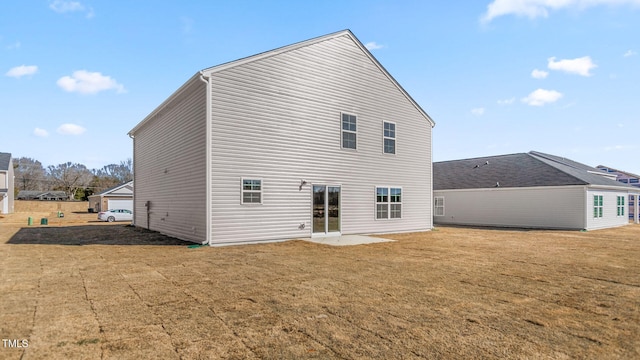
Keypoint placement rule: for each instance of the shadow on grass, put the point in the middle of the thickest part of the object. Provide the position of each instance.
(93, 235)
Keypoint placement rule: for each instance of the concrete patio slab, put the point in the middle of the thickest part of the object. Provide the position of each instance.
(346, 240)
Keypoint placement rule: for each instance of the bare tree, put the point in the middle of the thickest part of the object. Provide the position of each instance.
(112, 175)
(70, 177)
(29, 174)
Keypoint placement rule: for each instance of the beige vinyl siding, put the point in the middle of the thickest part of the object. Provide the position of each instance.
(170, 166)
(609, 217)
(541, 207)
(278, 119)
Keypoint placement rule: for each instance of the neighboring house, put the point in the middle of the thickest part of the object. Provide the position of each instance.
(311, 139)
(626, 178)
(6, 183)
(528, 190)
(117, 197)
(42, 195)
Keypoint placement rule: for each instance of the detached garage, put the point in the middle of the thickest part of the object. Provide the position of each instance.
(118, 197)
(528, 190)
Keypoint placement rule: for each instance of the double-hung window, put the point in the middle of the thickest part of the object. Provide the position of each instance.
(438, 204)
(251, 191)
(388, 202)
(349, 131)
(597, 206)
(620, 206)
(389, 137)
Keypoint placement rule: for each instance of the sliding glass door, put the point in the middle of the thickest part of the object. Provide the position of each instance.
(326, 209)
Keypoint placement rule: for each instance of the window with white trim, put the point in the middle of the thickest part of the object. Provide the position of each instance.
(597, 206)
(349, 131)
(438, 206)
(389, 137)
(251, 192)
(620, 206)
(388, 202)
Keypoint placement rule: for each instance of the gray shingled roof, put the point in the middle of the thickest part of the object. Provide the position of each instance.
(4, 161)
(516, 170)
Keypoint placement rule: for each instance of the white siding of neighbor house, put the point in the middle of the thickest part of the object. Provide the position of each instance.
(7, 182)
(539, 207)
(170, 166)
(609, 202)
(278, 119)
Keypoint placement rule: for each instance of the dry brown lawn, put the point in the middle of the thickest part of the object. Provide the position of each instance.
(76, 290)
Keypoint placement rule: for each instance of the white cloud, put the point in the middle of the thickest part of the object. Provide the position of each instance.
(86, 82)
(71, 129)
(22, 70)
(540, 8)
(629, 53)
(477, 111)
(372, 45)
(506, 101)
(65, 6)
(539, 74)
(40, 132)
(15, 45)
(580, 66)
(541, 97)
(61, 6)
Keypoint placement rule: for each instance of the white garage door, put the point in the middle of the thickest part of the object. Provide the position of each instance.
(121, 204)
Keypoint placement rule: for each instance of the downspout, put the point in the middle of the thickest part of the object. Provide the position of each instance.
(208, 225)
(133, 221)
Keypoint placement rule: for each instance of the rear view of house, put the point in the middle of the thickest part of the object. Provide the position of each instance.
(6, 183)
(529, 190)
(311, 139)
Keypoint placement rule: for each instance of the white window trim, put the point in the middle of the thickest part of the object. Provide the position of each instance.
(242, 190)
(388, 202)
(342, 131)
(395, 138)
(435, 206)
(620, 208)
(594, 207)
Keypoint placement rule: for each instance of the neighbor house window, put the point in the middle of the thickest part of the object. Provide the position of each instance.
(389, 137)
(251, 191)
(620, 206)
(597, 206)
(349, 131)
(438, 204)
(388, 202)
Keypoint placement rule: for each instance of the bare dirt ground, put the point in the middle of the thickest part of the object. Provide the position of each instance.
(84, 290)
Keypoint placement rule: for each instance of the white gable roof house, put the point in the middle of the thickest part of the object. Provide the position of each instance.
(117, 197)
(529, 190)
(313, 139)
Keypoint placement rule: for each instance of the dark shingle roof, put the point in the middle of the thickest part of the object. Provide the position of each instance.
(4, 161)
(516, 170)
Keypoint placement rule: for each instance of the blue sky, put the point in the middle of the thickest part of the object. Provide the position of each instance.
(498, 77)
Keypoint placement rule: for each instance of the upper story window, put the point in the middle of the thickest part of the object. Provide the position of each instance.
(389, 137)
(251, 191)
(349, 131)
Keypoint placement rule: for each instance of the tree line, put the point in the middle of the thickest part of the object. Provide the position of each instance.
(76, 180)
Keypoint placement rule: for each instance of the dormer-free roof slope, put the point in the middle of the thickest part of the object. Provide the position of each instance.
(5, 158)
(516, 170)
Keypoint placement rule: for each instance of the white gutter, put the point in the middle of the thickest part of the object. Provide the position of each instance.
(133, 219)
(207, 224)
